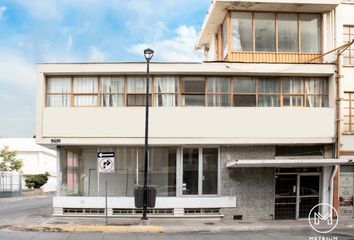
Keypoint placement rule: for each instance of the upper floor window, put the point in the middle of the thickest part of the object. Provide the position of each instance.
(112, 91)
(193, 91)
(218, 91)
(348, 105)
(172, 91)
(136, 89)
(275, 32)
(59, 92)
(85, 91)
(166, 91)
(348, 35)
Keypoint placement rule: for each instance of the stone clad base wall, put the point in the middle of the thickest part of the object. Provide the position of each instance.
(254, 188)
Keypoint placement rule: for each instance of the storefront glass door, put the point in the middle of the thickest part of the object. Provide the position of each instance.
(309, 194)
(200, 171)
(296, 194)
(285, 196)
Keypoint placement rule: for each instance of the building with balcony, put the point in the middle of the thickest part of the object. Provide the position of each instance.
(250, 133)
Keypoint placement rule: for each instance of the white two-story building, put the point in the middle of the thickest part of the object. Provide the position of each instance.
(250, 133)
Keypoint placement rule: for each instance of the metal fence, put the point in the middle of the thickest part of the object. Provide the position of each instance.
(10, 184)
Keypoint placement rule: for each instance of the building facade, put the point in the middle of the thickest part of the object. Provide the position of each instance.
(250, 133)
(345, 183)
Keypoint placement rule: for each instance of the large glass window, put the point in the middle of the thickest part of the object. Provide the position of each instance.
(265, 32)
(293, 92)
(162, 171)
(193, 91)
(241, 25)
(72, 173)
(210, 171)
(310, 27)
(136, 89)
(129, 171)
(112, 91)
(85, 90)
(70, 181)
(166, 91)
(287, 33)
(190, 184)
(200, 171)
(245, 92)
(348, 105)
(276, 32)
(348, 35)
(58, 91)
(218, 91)
(225, 37)
(317, 92)
(269, 92)
(173, 91)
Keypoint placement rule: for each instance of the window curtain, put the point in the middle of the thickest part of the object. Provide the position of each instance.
(85, 85)
(293, 86)
(59, 89)
(269, 87)
(136, 89)
(136, 85)
(316, 86)
(241, 23)
(112, 91)
(224, 38)
(166, 89)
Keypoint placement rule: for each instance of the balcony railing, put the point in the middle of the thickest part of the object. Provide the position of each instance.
(273, 57)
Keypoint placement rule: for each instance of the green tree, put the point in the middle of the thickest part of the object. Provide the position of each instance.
(36, 180)
(8, 160)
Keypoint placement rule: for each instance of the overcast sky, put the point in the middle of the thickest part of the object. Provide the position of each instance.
(33, 31)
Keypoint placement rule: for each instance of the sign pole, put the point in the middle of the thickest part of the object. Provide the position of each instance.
(106, 202)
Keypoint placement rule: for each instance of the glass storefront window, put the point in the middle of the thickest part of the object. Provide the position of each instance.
(190, 171)
(210, 171)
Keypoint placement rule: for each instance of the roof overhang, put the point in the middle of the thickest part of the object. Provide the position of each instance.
(287, 163)
(219, 8)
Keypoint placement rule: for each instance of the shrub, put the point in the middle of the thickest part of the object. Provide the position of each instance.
(36, 180)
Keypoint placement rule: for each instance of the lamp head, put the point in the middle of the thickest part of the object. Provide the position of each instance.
(148, 53)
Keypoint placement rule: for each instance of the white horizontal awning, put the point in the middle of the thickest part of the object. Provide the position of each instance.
(247, 163)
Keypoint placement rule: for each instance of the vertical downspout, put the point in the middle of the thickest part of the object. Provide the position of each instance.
(338, 111)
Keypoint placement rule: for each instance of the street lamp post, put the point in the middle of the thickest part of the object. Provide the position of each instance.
(148, 53)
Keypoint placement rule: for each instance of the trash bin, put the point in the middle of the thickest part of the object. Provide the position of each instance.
(139, 196)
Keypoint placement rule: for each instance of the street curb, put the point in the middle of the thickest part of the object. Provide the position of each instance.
(95, 228)
(163, 229)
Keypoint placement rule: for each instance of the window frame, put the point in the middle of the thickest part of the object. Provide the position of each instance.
(276, 35)
(96, 94)
(200, 172)
(176, 93)
(101, 93)
(216, 94)
(350, 51)
(184, 93)
(233, 94)
(350, 113)
(47, 94)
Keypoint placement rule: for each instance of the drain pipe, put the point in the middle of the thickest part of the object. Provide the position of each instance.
(331, 185)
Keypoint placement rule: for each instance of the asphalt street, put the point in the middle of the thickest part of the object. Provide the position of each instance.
(12, 211)
(259, 235)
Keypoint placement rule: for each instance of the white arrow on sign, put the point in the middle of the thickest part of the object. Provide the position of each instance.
(105, 154)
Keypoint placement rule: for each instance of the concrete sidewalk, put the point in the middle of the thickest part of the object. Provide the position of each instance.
(71, 224)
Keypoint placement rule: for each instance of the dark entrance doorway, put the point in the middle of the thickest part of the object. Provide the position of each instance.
(296, 194)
